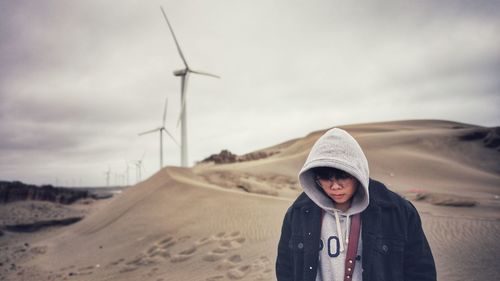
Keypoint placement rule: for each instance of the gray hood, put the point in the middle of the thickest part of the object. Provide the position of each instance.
(337, 149)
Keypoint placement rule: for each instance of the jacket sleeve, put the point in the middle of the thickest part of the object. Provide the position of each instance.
(284, 269)
(418, 260)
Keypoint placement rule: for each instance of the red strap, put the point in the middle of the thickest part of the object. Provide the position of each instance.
(352, 247)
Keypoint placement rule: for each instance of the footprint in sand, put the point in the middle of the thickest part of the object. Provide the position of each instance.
(213, 255)
(184, 255)
(205, 241)
(153, 249)
(85, 273)
(117, 262)
(220, 235)
(86, 268)
(162, 253)
(183, 238)
(262, 264)
(239, 272)
(141, 260)
(262, 267)
(160, 249)
(167, 243)
(231, 241)
(128, 269)
(230, 262)
(226, 242)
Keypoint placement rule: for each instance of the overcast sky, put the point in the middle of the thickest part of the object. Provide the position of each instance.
(80, 79)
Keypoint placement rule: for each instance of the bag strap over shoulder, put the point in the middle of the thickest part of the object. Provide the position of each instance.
(352, 247)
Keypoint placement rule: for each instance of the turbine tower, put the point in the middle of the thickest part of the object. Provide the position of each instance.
(183, 73)
(108, 174)
(138, 169)
(161, 130)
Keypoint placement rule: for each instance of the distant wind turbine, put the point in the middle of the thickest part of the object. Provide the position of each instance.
(127, 172)
(161, 130)
(108, 174)
(138, 168)
(183, 73)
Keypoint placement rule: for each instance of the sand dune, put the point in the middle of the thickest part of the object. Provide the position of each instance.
(405, 155)
(168, 227)
(222, 222)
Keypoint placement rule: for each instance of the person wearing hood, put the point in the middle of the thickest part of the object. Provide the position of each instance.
(346, 226)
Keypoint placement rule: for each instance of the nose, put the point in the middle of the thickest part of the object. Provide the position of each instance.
(334, 184)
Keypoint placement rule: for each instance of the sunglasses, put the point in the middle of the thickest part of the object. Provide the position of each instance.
(327, 173)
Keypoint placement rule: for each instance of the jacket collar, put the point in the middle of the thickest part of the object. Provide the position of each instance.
(303, 201)
(380, 196)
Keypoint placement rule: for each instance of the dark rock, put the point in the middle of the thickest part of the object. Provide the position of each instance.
(474, 135)
(101, 195)
(18, 191)
(489, 136)
(492, 139)
(32, 227)
(225, 157)
(255, 156)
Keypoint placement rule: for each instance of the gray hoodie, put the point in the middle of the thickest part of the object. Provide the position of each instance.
(336, 149)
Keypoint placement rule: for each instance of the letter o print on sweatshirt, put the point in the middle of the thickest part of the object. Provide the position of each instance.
(333, 246)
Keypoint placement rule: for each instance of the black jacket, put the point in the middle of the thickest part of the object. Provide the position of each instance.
(394, 244)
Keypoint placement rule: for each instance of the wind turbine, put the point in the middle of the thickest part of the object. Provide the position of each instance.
(138, 169)
(108, 174)
(127, 172)
(161, 130)
(183, 73)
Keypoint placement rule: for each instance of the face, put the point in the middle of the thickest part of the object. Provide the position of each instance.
(339, 186)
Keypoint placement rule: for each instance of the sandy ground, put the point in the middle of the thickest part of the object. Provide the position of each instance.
(222, 222)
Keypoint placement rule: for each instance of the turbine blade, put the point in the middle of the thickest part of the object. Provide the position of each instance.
(165, 112)
(172, 137)
(150, 131)
(175, 39)
(204, 73)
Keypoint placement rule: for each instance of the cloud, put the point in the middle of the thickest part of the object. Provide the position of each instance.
(79, 80)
